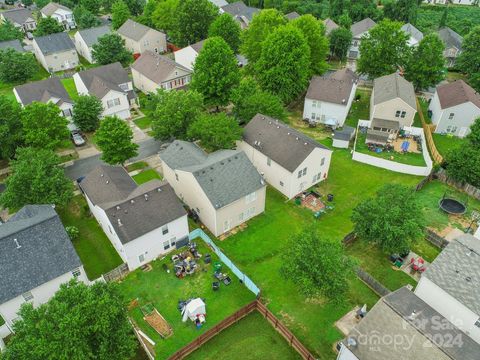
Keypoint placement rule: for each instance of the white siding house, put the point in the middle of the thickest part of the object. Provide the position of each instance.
(454, 108)
(187, 56)
(20, 18)
(359, 30)
(288, 160)
(142, 222)
(61, 13)
(85, 39)
(223, 187)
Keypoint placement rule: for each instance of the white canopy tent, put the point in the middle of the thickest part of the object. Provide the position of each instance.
(194, 310)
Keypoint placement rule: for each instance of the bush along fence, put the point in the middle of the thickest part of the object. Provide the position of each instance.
(199, 233)
(234, 318)
(469, 189)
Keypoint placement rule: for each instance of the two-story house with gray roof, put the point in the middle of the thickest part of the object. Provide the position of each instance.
(85, 39)
(222, 187)
(451, 284)
(140, 38)
(242, 13)
(112, 85)
(36, 257)
(359, 30)
(61, 13)
(20, 18)
(142, 222)
(12, 44)
(289, 161)
(56, 52)
(453, 44)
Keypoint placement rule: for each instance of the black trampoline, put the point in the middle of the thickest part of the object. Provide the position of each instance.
(452, 206)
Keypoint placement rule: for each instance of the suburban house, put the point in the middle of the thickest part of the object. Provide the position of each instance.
(45, 91)
(219, 3)
(86, 38)
(451, 284)
(20, 18)
(142, 222)
(342, 137)
(56, 52)
(112, 85)
(393, 98)
(402, 326)
(187, 56)
(330, 25)
(12, 44)
(61, 13)
(288, 160)
(153, 71)
(454, 108)
(415, 35)
(242, 13)
(140, 38)
(359, 29)
(453, 45)
(36, 257)
(435, 2)
(223, 188)
(330, 97)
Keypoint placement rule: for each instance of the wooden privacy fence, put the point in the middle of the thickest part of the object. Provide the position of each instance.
(117, 273)
(232, 319)
(435, 239)
(428, 136)
(469, 189)
(372, 282)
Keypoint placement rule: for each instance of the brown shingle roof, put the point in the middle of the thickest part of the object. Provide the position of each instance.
(334, 88)
(156, 67)
(456, 93)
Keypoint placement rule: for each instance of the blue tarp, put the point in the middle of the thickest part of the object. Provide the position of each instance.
(405, 146)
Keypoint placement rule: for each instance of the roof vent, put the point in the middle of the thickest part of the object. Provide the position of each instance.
(132, 201)
(118, 207)
(159, 189)
(296, 138)
(305, 143)
(101, 175)
(344, 101)
(288, 133)
(351, 342)
(468, 279)
(106, 182)
(16, 243)
(119, 222)
(270, 122)
(146, 197)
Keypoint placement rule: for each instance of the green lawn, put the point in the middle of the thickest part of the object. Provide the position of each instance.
(144, 122)
(426, 250)
(360, 109)
(69, 85)
(408, 158)
(424, 109)
(95, 250)
(252, 338)
(444, 143)
(6, 89)
(146, 176)
(164, 290)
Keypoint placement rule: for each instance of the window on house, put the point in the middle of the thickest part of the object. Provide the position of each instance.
(76, 273)
(176, 177)
(322, 162)
(250, 212)
(314, 103)
(477, 323)
(313, 116)
(113, 102)
(241, 217)
(110, 229)
(164, 229)
(314, 178)
(141, 258)
(269, 161)
(451, 116)
(173, 241)
(251, 197)
(403, 114)
(28, 296)
(304, 172)
(198, 210)
(281, 183)
(319, 175)
(166, 245)
(397, 113)
(67, 112)
(299, 174)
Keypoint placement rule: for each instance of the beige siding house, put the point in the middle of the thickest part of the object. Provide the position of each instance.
(153, 71)
(393, 98)
(56, 52)
(289, 161)
(140, 38)
(85, 39)
(61, 13)
(223, 187)
(20, 18)
(453, 45)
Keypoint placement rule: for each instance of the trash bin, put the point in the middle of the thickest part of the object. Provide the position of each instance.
(298, 200)
(330, 197)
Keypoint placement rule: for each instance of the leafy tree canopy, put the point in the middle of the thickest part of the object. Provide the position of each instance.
(86, 112)
(340, 40)
(8, 31)
(227, 28)
(163, 17)
(91, 5)
(47, 26)
(115, 139)
(215, 132)
(16, 67)
(120, 13)
(85, 18)
(136, 6)
(469, 58)
(110, 48)
(361, 9)
(401, 10)
(11, 133)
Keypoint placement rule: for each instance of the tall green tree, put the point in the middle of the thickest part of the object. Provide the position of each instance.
(47, 26)
(249, 99)
(85, 18)
(173, 113)
(314, 32)
(79, 322)
(401, 10)
(193, 18)
(215, 131)
(36, 178)
(110, 48)
(16, 67)
(136, 6)
(43, 126)
(283, 67)
(120, 13)
(164, 15)
(215, 72)
(383, 219)
(317, 266)
(86, 112)
(361, 9)
(340, 40)
(115, 139)
(443, 19)
(262, 25)
(338, 8)
(91, 5)
(384, 51)
(11, 132)
(426, 67)
(227, 28)
(469, 59)
(344, 21)
(8, 31)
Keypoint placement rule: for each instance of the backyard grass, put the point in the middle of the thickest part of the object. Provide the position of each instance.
(69, 85)
(163, 290)
(144, 122)
(409, 158)
(137, 166)
(146, 176)
(445, 143)
(251, 338)
(426, 250)
(6, 89)
(360, 109)
(424, 108)
(95, 250)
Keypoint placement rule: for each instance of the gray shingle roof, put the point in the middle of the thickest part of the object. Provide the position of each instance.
(292, 15)
(345, 134)
(90, 36)
(403, 315)
(457, 271)
(330, 25)
(385, 124)
(362, 26)
(198, 46)
(54, 43)
(45, 253)
(333, 88)
(51, 7)
(412, 31)
(13, 44)
(19, 16)
(100, 80)
(450, 38)
(456, 93)
(219, 3)
(393, 86)
(156, 67)
(377, 136)
(281, 143)
(133, 30)
(42, 91)
(133, 210)
(239, 9)
(225, 175)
